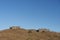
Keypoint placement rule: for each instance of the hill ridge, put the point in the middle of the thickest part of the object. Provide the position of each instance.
(16, 33)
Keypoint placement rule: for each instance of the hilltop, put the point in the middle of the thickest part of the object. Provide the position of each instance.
(17, 33)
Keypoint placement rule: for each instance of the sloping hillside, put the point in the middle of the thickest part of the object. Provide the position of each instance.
(23, 34)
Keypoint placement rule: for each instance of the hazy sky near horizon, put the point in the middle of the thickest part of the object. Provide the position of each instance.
(30, 14)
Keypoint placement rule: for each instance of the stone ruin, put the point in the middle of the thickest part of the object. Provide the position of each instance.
(32, 30)
(42, 30)
(15, 27)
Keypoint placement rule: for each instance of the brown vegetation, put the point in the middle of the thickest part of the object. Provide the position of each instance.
(22, 34)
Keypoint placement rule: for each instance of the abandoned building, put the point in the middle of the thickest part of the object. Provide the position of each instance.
(15, 27)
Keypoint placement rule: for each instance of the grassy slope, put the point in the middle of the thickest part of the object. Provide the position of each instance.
(21, 34)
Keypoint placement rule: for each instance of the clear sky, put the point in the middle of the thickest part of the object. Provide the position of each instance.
(30, 14)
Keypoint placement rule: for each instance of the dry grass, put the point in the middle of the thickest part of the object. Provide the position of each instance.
(22, 34)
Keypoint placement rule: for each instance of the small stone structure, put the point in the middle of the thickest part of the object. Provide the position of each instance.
(37, 30)
(42, 30)
(15, 27)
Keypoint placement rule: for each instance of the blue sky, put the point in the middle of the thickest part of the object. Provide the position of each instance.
(30, 14)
